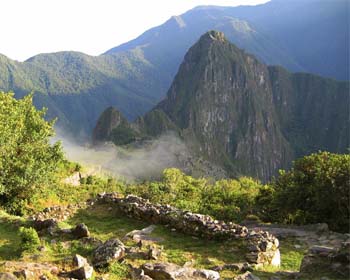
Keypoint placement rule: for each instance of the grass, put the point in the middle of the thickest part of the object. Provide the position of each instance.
(104, 223)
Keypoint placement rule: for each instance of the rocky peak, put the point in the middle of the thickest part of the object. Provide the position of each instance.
(216, 35)
(109, 120)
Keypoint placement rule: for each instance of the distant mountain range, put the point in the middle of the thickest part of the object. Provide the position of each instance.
(304, 36)
(240, 114)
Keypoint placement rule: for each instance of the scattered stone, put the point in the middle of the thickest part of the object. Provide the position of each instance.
(154, 253)
(80, 231)
(84, 272)
(242, 267)
(91, 241)
(170, 271)
(24, 274)
(327, 259)
(7, 276)
(247, 276)
(79, 261)
(40, 225)
(110, 251)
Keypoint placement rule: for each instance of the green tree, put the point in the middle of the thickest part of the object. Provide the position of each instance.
(315, 190)
(27, 159)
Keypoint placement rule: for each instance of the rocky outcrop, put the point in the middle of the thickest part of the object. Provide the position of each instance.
(263, 247)
(327, 259)
(247, 117)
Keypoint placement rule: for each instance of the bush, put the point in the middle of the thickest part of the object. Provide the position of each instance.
(27, 159)
(315, 190)
(29, 239)
(231, 199)
(226, 199)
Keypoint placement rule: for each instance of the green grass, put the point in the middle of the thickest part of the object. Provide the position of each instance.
(9, 238)
(104, 223)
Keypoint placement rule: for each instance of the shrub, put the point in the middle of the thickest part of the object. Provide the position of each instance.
(315, 190)
(27, 159)
(29, 239)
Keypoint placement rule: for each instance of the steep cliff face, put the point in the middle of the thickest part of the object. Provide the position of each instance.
(222, 100)
(108, 123)
(249, 118)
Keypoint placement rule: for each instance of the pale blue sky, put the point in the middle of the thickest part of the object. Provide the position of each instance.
(89, 26)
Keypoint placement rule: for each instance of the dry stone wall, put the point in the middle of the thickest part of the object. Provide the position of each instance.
(263, 247)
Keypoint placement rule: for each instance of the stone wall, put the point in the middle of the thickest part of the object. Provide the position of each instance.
(263, 248)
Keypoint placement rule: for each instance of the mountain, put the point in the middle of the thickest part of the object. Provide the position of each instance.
(315, 33)
(76, 87)
(308, 36)
(245, 116)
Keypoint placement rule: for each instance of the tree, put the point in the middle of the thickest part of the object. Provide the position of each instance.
(315, 190)
(27, 159)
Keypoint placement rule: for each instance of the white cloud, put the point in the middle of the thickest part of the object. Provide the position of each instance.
(89, 26)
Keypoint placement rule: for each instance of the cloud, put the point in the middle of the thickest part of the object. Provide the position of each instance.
(140, 161)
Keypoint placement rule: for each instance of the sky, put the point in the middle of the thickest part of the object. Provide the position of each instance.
(89, 26)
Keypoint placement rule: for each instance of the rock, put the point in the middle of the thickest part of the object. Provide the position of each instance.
(91, 241)
(154, 252)
(24, 274)
(7, 276)
(84, 272)
(40, 225)
(321, 250)
(110, 251)
(80, 231)
(247, 276)
(79, 261)
(327, 259)
(206, 274)
(243, 267)
(263, 247)
(170, 271)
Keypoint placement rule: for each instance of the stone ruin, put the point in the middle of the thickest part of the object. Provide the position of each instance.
(262, 247)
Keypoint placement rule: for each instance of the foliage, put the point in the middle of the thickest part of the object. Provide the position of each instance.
(225, 199)
(29, 239)
(231, 199)
(27, 159)
(123, 135)
(315, 190)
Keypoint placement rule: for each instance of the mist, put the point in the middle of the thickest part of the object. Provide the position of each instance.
(141, 161)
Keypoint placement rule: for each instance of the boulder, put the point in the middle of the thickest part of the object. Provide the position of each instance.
(79, 261)
(247, 276)
(24, 274)
(154, 252)
(84, 272)
(110, 251)
(80, 231)
(7, 276)
(327, 259)
(40, 225)
(170, 271)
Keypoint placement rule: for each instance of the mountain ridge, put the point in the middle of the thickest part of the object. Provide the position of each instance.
(135, 76)
(247, 117)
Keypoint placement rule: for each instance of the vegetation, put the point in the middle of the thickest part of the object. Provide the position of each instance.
(315, 190)
(29, 239)
(27, 159)
(231, 199)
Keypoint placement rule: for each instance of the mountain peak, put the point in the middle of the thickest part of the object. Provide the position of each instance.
(214, 35)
